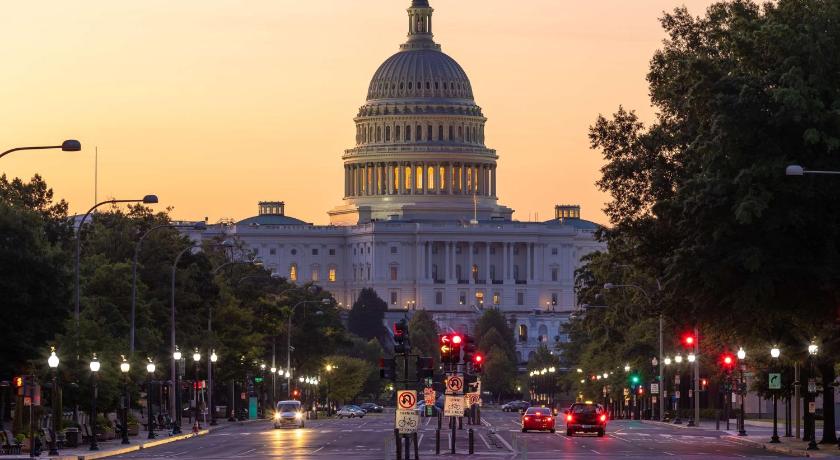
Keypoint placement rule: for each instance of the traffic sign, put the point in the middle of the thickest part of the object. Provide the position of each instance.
(453, 406)
(472, 399)
(407, 421)
(654, 388)
(812, 386)
(775, 382)
(406, 399)
(429, 396)
(454, 384)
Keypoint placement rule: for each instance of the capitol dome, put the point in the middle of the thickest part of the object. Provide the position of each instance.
(420, 152)
(420, 73)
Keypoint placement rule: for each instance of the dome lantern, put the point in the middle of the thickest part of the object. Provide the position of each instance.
(420, 27)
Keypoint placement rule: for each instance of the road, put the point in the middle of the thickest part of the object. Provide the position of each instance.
(499, 437)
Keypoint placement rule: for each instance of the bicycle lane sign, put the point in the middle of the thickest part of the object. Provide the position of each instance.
(407, 421)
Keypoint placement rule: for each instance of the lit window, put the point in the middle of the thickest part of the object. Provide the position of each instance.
(523, 333)
(497, 298)
(293, 272)
(316, 274)
(475, 272)
(395, 172)
(332, 274)
(407, 177)
(418, 176)
(554, 298)
(462, 298)
(479, 298)
(394, 298)
(469, 179)
(430, 178)
(442, 177)
(272, 251)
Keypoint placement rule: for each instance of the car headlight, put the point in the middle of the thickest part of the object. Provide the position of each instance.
(277, 416)
(298, 415)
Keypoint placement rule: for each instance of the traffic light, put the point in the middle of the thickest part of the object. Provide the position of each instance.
(445, 343)
(425, 367)
(641, 390)
(469, 348)
(634, 380)
(688, 340)
(295, 393)
(728, 361)
(457, 341)
(401, 344)
(704, 384)
(387, 368)
(478, 363)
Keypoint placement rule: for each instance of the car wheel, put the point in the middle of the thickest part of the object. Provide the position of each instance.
(524, 430)
(569, 432)
(552, 430)
(600, 433)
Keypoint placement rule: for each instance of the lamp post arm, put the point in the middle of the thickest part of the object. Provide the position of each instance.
(29, 148)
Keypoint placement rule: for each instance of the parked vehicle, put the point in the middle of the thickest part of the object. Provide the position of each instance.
(288, 413)
(538, 418)
(515, 406)
(371, 407)
(350, 411)
(587, 418)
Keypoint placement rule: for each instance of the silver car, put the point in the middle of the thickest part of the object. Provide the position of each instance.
(350, 411)
(288, 413)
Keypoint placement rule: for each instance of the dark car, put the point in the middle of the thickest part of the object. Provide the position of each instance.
(371, 407)
(515, 406)
(586, 418)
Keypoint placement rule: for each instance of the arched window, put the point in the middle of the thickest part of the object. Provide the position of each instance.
(293, 272)
(469, 137)
(429, 133)
(419, 133)
(387, 134)
(378, 133)
(430, 178)
(469, 179)
(395, 173)
(418, 178)
(460, 132)
(332, 276)
(408, 177)
(316, 273)
(543, 330)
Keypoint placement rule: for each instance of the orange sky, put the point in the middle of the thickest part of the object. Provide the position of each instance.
(214, 105)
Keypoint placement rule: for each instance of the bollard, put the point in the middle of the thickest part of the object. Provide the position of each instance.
(472, 440)
(460, 423)
(440, 419)
(437, 441)
(416, 447)
(399, 445)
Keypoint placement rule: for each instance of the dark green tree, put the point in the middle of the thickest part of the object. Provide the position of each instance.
(423, 334)
(366, 315)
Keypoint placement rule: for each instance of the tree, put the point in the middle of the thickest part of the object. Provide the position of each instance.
(423, 334)
(370, 352)
(348, 380)
(366, 315)
(499, 373)
(493, 320)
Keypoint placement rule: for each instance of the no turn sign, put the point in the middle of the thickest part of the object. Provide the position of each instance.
(406, 399)
(454, 384)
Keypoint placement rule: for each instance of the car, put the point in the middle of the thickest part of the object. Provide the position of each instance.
(586, 417)
(288, 413)
(515, 406)
(538, 418)
(350, 411)
(372, 407)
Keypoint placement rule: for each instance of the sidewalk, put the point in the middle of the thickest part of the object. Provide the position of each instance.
(789, 446)
(141, 441)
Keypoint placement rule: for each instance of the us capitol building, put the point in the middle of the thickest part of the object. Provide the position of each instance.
(421, 221)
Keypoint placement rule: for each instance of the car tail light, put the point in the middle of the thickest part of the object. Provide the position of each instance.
(527, 418)
(548, 418)
(604, 418)
(569, 418)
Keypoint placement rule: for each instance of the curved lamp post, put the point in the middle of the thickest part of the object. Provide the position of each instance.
(70, 145)
(813, 349)
(289, 348)
(775, 353)
(52, 361)
(213, 358)
(94, 369)
(176, 390)
(196, 360)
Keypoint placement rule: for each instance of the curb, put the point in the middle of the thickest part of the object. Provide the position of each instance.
(776, 449)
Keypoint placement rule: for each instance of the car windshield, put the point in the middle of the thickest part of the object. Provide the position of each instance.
(538, 411)
(584, 409)
(288, 407)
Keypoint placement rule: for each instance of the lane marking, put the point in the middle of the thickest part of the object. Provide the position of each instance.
(316, 450)
(505, 442)
(485, 441)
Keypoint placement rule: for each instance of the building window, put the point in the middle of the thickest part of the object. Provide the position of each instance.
(332, 275)
(479, 298)
(430, 178)
(554, 299)
(378, 133)
(492, 272)
(272, 251)
(475, 273)
(394, 272)
(294, 252)
(316, 273)
(520, 298)
(367, 270)
(451, 136)
(418, 178)
(332, 252)
(523, 333)
(516, 272)
(497, 298)
(442, 181)
(554, 251)
(434, 272)
(429, 133)
(419, 133)
(408, 177)
(293, 272)
(554, 274)
(408, 133)
(314, 252)
(460, 132)
(387, 134)
(394, 298)
(368, 249)
(393, 249)
(397, 133)
(462, 298)
(458, 272)
(438, 298)
(440, 132)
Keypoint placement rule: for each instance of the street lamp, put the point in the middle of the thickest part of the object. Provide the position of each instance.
(200, 226)
(52, 361)
(150, 369)
(797, 170)
(94, 369)
(742, 390)
(196, 360)
(774, 353)
(125, 367)
(813, 349)
(213, 358)
(176, 390)
(324, 301)
(70, 145)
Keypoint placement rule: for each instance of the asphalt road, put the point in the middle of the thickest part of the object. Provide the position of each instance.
(498, 437)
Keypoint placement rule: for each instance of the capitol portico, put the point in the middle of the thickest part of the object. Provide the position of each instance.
(420, 220)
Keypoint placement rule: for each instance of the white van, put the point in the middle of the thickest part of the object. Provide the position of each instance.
(288, 413)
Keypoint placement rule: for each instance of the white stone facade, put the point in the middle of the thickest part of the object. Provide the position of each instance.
(420, 222)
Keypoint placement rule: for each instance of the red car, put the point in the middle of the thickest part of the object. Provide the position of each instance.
(538, 418)
(586, 417)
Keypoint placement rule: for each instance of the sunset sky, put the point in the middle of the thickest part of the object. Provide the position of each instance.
(214, 105)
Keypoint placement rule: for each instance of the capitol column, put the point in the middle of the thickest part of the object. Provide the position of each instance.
(446, 262)
(493, 181)
(471, 263)
(487, 276)
(449, 168)
(504, 262)
(527, 262)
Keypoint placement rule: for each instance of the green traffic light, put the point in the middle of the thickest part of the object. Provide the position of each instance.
(634, 379)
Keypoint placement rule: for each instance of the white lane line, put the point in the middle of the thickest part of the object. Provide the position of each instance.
(596, 452)
(316, 450)
(667, 453)
(505, 442)
(247, 452)
(428, 420)
(485, 441)
(420, 441)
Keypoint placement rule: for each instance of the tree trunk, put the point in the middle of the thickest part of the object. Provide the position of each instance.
(827, 371)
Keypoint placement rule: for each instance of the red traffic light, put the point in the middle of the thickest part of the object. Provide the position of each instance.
(688, 340)
(456, 339)
(478, 358)
(296, 393)
(728, 360)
